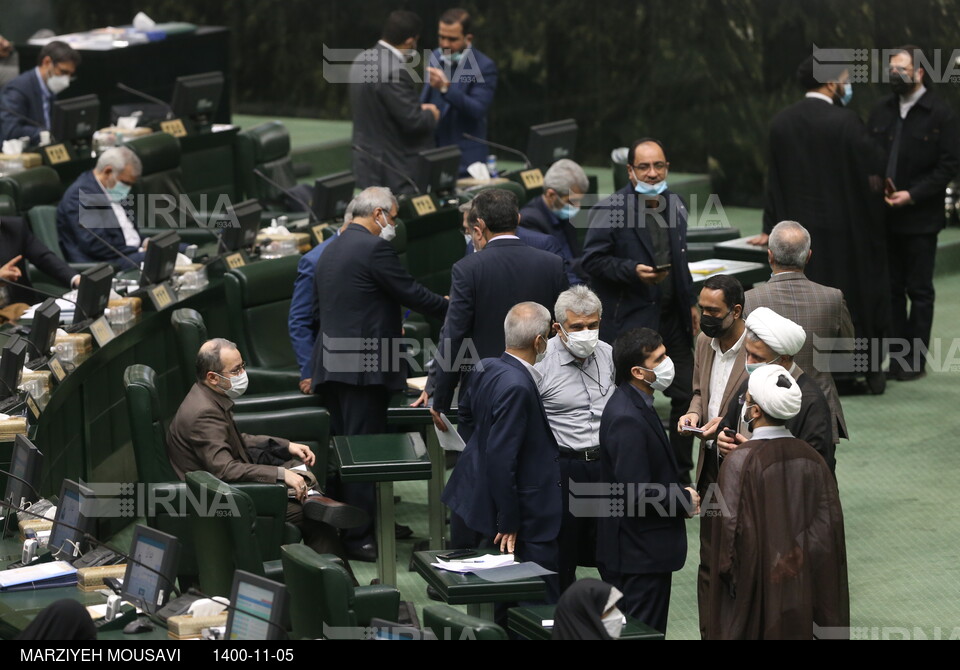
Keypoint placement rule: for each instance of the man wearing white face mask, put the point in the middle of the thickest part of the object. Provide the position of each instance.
(643, 542)
(203, 436)
(96, 202)
(30, 96)
(576, 383)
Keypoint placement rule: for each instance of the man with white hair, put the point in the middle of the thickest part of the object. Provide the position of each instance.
(94, 202)
(578, 377)
(779, 568)
(506, 485)
(551, 213)
(774, 339)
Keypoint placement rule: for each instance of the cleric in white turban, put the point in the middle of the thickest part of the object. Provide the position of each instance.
(777, 332)
(776, 393)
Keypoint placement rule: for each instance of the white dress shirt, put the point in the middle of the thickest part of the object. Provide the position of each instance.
(130, 235)
(720, 375)
(906, 103)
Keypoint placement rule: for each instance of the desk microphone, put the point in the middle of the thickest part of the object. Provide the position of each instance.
(389, 167)
(136, 266)
(290, 193)
(24, 482)
(148, 98)
(502, 147)
(46, 294)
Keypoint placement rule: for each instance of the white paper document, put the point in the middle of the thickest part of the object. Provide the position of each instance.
(476, 563)
(450, 440)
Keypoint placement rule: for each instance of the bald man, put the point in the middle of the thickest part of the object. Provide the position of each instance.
(780, 503)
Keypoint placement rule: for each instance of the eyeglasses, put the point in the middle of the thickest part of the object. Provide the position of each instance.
(659, 166)
(237, 370)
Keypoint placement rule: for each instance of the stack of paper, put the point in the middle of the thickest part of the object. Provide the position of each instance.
(476, 563)
(42, 576)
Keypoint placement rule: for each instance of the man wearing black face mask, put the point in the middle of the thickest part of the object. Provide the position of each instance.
(719, 370)
(920, 135)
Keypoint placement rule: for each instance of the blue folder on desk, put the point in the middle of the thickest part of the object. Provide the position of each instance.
(43, 576)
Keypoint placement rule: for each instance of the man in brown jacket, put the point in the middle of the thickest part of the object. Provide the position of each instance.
(204, 436)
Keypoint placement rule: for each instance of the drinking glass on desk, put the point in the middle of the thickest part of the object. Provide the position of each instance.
(67, 351)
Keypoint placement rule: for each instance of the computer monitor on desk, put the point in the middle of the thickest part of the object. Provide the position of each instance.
(94, 293)
(43, 332)
(240, 226)
(25, 464)
(257, 612)
(72, 521)
(196, 97)
(11, 369)
(438, 170)
(149, 578)
(332, 194)
(549, 142)
(160, 258)
(75, 120)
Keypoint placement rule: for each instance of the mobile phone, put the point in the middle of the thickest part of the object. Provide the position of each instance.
(888, 187)
(662, 268)
(730, 432)
(459, 553)
(692, 429)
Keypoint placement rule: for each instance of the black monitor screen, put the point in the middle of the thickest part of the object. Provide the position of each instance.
(75, 118)
(94, 292)
(332, 194)
(240, 226)
(65, 541)
(160, 258)
(26, 463)
(197, 97)
(549, 142)
(150, 576)
(43, 330)
(439, 169)
(257, 608)
(11, 366)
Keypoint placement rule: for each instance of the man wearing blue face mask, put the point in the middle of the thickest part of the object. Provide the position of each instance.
(636, 255)
(552, 213)
(96, 202)
(461, 82)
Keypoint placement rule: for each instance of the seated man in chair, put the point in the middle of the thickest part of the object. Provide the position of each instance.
(204, 436)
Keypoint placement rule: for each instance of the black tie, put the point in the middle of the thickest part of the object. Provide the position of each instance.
(894, 149)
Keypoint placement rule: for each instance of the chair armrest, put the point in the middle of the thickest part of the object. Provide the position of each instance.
(265, 380)
(269, 402)
(378, 601)
(273, 570)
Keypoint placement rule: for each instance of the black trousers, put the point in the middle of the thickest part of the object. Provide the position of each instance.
(578, 534)
(358, 410)
(911, 259)
(679, 347)
(645, 597)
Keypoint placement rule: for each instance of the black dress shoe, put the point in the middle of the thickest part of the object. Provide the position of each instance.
(402, 532)
(876, 382)
(366, 553)
(333, 512)
(433, 594)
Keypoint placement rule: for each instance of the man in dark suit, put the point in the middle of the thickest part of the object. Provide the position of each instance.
(390, 125)
(772, 338)
(551, 213)
(484, 286)
(19, 245)
(506, 486)
(640, 228)
(30, 96)
(95, 202)
(460, 82)
(639, 549)
(820, 310)
(203, 436)
(919, 134)
(356, 360)
(822, 162)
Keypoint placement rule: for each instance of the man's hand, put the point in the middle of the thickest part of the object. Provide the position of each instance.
(430, 107)
(687, 420)
(5, 47)
(506, 542)
(726, 443)
(899, 199)
(438, 79)
(710, 428)
(305, 386)
(303, 452)
(75, 281)
(648, 275)
(695, 501)
(695, 319)
(10, 271)
(438, 420)
(296, 483)
(760, 240)
(421, 401)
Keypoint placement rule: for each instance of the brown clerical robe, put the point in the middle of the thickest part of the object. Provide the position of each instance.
(779, 564)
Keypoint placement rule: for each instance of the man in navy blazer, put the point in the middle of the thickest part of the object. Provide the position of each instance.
(355, 358)
(461, 82)
(31, 94)
(484, 286)
(506, 485)
(94, 202)
(18, 245)
(644, 543)
(638, 229)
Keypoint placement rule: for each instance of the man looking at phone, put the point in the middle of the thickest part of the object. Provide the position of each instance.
(636, 255)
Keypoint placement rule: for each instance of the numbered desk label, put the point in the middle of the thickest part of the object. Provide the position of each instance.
(56, 367)
(174, 127)
(532, 178)
(102, 332)
(317, 231)
(423, 204)
(160, 296)
(236, 261)
(32, 406)
(57, 153)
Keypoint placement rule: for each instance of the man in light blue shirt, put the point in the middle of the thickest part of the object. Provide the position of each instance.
(27, 101)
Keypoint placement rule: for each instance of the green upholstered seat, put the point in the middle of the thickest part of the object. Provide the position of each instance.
(266, 148)
(449, 623)
(36, 186)
(322, 595)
